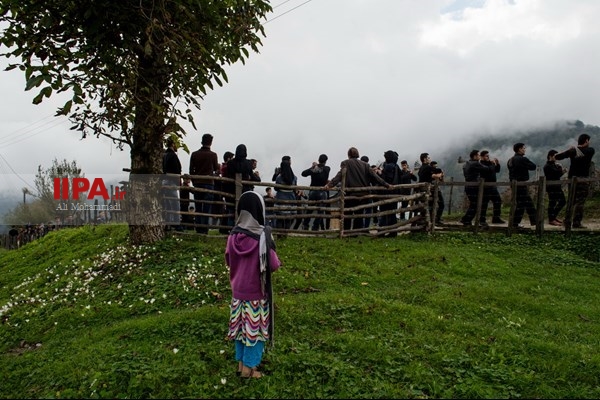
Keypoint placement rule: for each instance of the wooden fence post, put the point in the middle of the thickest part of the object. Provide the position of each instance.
(480, 189)
(450, 199)
(238, 194)
(434, 205)
(513, 206)
(539, 219)
(570, 212)
(342, 200)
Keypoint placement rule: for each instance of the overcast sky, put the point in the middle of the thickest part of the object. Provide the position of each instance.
(407, 75)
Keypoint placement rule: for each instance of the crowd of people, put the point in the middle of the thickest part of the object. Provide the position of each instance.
(20, 235)
(196, 207)
(479, 166)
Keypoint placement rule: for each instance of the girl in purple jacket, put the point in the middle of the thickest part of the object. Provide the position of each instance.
(251, 257)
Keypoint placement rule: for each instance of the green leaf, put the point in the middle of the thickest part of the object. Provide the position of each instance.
(66, 109)
(47, 91)
(38, 99)
(34, 81)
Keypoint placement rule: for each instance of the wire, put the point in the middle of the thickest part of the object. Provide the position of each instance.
(9, 141)
(288, 11)
(280, 4)
(14, 172)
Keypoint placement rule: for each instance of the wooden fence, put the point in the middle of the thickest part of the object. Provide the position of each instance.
(413, 207)
(283, 215)
(415, 211)
(538, 191)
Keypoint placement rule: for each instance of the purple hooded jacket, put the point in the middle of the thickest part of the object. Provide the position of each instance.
(241, 255)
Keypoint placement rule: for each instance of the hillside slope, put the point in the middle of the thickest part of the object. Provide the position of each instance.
(455, 315)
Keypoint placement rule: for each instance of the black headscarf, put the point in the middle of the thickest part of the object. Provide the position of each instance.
(251, 222)
(287, 175)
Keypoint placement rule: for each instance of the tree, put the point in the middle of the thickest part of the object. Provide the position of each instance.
(134, 68)
(44, 180)
(43, 208)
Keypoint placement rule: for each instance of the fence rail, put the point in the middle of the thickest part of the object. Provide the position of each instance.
(411, 207)
(415, 210)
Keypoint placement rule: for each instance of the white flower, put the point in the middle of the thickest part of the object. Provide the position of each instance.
(175, 350)
(223, 381)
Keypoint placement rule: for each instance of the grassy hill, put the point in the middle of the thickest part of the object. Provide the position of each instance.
(448, 316)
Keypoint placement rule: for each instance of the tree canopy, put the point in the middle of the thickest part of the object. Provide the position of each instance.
(134, 68)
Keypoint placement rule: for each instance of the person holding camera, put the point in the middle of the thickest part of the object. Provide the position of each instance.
(490, 193)
(319, 176)
(553, 171)
(472, 171)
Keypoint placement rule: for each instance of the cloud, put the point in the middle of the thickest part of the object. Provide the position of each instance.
(410, 76)
(500, 21)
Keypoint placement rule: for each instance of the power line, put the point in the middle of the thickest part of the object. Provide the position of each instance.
(16, 138)
(280, 4)
(14, 172)
(25, 128)
(288, 11)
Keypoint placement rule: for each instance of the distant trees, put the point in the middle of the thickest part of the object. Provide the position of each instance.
(134, 68)
(42, 209)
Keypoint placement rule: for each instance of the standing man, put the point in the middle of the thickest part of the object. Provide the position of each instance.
(428, 174)
(390, 172)
(319, 176)
(406, 178)
(518, 170)
(171, 166)
(440, 209)
(473, 170)
(358, 174)
(556, 197)
(204, 162)
(491, 192)
(581, 161)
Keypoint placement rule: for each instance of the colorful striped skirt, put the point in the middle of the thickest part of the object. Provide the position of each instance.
(249, 321)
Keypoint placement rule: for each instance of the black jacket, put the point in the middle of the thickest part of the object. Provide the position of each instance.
(581, 160)
(473, 169)
(490, 175)
(171, 163)
(553, 171)
(519, 167)
(319, 174)
(239, 164)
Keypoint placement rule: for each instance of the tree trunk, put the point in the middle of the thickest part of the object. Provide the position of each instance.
(144, 197)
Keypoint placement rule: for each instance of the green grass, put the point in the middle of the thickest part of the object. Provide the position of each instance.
(451, 315)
